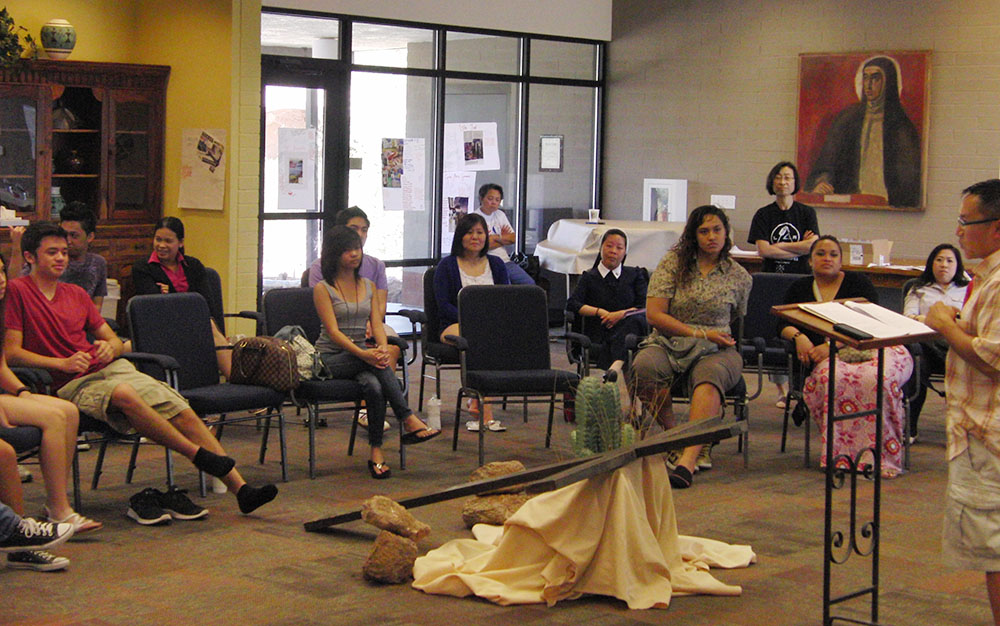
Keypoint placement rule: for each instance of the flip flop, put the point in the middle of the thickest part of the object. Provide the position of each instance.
(374, 467)
(413, 437)
(681, 477)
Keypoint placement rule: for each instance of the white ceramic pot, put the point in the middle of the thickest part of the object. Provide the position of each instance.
(58, 38)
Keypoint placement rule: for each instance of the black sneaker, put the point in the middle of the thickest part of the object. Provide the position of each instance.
(37, 560)
(179, 506)
(34, 535)
(144, 507)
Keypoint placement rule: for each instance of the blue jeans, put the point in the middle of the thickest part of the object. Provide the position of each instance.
(517, 275)
(9, 521)
(378, 386)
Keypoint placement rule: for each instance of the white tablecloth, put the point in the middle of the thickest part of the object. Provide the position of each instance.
(572, 245)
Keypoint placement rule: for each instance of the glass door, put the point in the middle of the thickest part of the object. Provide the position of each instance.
(301, 149)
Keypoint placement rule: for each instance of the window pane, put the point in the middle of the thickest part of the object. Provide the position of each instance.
(290, 246)
(482, 103)
(393, 46)
(293, 154)
(387, 108)
(298, 36)
(550, 196)
(561, 59)
(468, 52)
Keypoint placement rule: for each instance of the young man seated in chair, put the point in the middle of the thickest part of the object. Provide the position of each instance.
(46, 326)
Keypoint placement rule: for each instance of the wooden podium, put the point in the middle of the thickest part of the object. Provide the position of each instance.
(861, 537)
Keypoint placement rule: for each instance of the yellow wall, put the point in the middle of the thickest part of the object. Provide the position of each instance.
(103, 27)
(193, 37)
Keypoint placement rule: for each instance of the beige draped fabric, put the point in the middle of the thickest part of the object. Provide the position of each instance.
(614, 535)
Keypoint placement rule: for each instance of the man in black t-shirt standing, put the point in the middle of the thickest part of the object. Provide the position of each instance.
(784, 230)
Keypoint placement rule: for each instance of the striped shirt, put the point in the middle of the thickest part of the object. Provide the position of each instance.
(974, 397)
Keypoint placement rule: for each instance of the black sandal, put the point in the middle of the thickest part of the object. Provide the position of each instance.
(413, 437)
(681, 478)
(373, 468)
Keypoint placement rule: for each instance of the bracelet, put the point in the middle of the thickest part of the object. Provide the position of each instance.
(18, 392)
(796, 335)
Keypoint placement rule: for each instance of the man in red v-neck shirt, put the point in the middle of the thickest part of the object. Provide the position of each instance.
(46, 326)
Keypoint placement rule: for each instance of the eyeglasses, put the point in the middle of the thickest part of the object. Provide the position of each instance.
(964, 222)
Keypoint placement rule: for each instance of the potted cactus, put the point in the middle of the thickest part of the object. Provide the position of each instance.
(600, 427)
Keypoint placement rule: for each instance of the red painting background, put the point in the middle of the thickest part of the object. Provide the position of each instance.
(826, 87)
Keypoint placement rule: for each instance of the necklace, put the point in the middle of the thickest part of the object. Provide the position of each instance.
(343, 296)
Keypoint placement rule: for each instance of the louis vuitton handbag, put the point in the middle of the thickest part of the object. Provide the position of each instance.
(265, 361)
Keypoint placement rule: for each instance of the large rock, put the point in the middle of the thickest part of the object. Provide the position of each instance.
(384, 513)
(492, 509)
(499, 468)
(391, 559)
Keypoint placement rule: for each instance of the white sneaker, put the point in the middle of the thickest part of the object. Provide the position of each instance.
(705, 457)
(37, 560)
(363, 421)
(671, 459)
(494, 425)
(24, 473)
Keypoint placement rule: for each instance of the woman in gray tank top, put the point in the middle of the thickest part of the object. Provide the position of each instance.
(344, 302)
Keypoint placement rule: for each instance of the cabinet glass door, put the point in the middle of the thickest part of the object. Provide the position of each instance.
(131, 190)
(77, 118)
(20, 164)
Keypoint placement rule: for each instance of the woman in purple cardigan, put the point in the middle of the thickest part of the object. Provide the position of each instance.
(468, 264)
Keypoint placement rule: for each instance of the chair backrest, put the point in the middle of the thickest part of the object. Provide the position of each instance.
(769, 289)
(176, 324)
(890, 298)
(431, 329)
(507, 327)
(908, 286)
(291, 306)
(213, 294)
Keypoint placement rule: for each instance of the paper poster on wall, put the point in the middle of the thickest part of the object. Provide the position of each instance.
(458, 197)
(471, 147)
(203, 169)
(297, 168)
(403, 172)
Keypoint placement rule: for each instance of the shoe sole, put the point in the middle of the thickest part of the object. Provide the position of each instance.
(164, 519)
(51, 567)
(185, 516)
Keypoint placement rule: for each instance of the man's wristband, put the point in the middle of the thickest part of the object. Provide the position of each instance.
(18, 392)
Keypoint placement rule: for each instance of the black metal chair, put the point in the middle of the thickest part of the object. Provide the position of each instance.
(177, 326)
(294, 307)
(434, 352)
(504, 350)
(762, 349)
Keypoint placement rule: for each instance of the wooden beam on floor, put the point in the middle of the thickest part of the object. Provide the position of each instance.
(556, 475)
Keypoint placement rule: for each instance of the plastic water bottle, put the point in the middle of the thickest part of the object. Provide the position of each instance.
(434, 413)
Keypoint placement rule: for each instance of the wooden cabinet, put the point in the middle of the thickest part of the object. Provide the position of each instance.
(92, 132)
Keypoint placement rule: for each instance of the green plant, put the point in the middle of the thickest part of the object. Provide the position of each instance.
(600, 427)
(10, 41)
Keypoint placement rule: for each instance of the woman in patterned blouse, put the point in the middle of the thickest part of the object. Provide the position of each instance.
(696, 292)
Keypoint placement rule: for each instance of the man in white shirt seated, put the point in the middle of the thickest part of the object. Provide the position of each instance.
(501, 233)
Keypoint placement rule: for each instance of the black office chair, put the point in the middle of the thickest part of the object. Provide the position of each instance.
(295, 307)
(504, 350)
(176, 325)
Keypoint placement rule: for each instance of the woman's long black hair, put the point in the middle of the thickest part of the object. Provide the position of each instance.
(927, 276)
(464, 225)
(336, 242)
(687, 246)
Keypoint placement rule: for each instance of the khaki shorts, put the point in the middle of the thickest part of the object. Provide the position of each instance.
(720, 369)
(92, 394)
(971, 537)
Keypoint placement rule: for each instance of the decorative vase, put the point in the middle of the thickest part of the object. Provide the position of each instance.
(58, 38)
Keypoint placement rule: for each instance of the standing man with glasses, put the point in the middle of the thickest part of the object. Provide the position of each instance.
(971, 538)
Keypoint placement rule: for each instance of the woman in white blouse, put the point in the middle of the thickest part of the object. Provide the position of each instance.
(943, 280)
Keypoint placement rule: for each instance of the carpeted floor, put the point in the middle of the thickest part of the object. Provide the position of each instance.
(264, 569)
